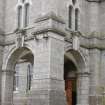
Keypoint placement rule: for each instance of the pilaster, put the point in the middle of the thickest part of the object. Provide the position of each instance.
(7, 81)
(83, 88)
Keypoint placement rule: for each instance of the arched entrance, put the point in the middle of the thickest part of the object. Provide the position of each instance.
(17, 76)
(76, 78)
(70, 81)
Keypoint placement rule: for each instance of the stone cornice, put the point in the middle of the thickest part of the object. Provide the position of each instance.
(86, 42)
(98, 1)
(49, 29)
(50, 15)
(93, 44)
(53, 23)
(83, 74)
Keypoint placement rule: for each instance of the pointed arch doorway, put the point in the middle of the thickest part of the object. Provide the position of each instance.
(76, 78)
(70, 81)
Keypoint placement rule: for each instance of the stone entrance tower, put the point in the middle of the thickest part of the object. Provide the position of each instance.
(50, 47)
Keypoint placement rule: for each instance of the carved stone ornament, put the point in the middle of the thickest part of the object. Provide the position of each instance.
(75, 40)
(41, 36)
(76, 43)
(20, 37)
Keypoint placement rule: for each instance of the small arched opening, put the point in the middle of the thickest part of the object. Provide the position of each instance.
(76, 19)
(19, 16)
(26, 14)
(70, 16)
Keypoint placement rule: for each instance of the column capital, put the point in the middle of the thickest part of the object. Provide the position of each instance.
(83, 74)
(8, 71)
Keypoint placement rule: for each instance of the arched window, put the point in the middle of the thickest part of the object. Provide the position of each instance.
(76, 18)
(29, 76)
(74, 1)
(19, 15)
(23, 14)
(70, 16)
(26, 14)
(16, 78)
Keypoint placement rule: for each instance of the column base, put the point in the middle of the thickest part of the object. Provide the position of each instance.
(6, 103)
(82, 104)
(95, 100)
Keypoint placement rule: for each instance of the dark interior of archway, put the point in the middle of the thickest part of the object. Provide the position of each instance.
(28, 57)
(70, 81)
(25, 58)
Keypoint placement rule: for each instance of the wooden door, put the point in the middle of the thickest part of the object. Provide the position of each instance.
(68, 89)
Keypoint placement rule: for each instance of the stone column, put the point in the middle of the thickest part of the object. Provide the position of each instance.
(83, 89)
(48, 81)
(7, 87)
